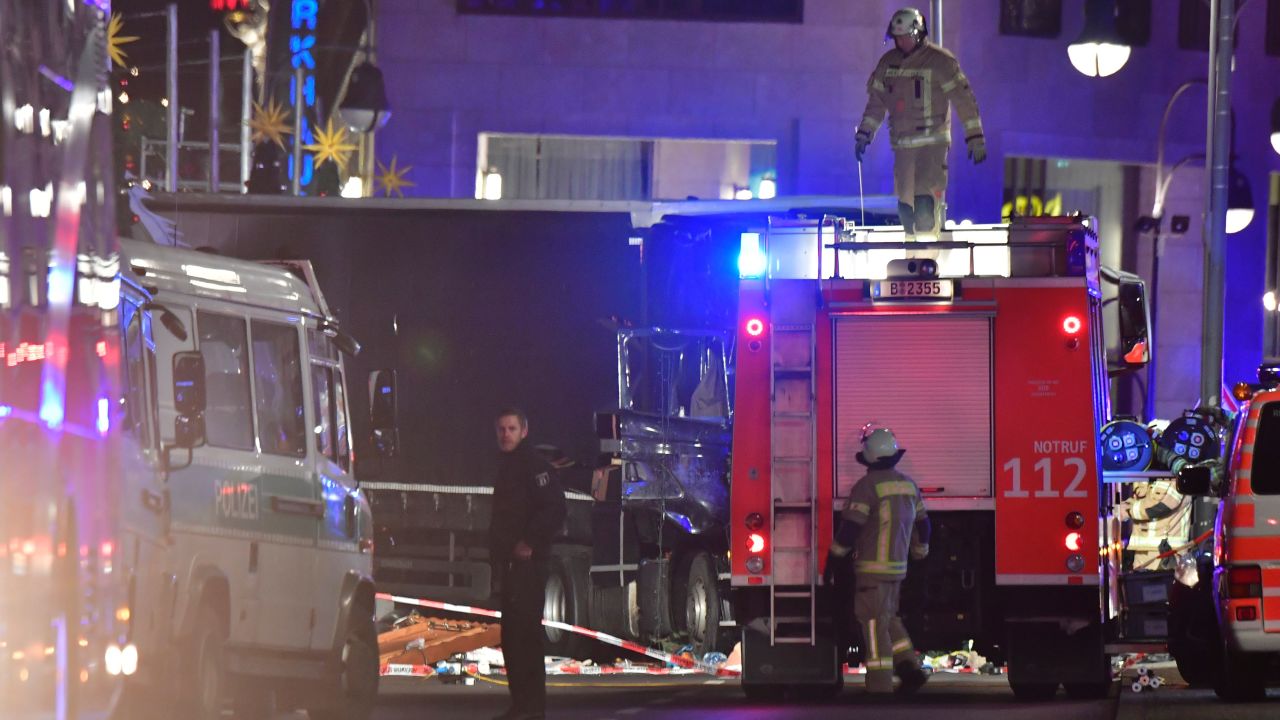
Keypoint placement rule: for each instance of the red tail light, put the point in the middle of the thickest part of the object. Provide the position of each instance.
(755, 543)
(755, 327)
(1244, 582)
(1073, 542)
(1072, 324)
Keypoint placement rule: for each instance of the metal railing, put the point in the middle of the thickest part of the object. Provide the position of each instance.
(154, 168)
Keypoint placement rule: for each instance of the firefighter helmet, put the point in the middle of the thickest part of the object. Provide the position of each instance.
(878, 443)
(907, 21)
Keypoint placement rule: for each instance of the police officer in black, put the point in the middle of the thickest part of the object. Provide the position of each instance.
(528, 511)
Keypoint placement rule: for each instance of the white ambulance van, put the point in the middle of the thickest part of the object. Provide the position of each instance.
(267, 579)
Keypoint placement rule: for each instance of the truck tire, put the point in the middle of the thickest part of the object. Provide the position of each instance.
(763, 693)
(359, 679)
(567, 600)
(203, 682)
(1033, 691)
(1243, 677)
(1193, 634)
(698, 603)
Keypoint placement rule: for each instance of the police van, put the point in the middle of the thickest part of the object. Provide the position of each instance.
(267, 582)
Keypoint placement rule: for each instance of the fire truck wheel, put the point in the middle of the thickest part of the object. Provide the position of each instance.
(359, 673)
(697, 594)
(203, 683)
(1242, 678)
(758, 692)
(566, 600)
(1033, 692)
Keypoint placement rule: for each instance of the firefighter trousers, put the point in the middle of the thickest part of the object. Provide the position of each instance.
(920, 182)
(885, 642)
(523, 595)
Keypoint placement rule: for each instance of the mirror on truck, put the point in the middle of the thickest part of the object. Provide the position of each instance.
(169, 320)
(383, 433)
(189, 402)
(1194, 480)
(345, 342)
(1135, 321)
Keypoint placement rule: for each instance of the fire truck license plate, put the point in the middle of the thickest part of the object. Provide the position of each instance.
(913, 289)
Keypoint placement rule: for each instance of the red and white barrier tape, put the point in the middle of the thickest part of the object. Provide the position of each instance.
(606, 638)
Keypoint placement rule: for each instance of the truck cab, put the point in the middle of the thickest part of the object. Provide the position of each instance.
(268, 570)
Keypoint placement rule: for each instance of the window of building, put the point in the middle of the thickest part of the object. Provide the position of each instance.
(542, 167)
(723, 10)
(228, 415)
(1031, 18)
(277, 371)
(1272, 40)
(1133, 21)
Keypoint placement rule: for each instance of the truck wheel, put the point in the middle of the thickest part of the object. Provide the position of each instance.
(698, 594)
(566, 601)
(763, 693)
(1193, 634)
(203, 684)
(1088, 690)
(359, 679)
(1243, 677)
(1033, 692)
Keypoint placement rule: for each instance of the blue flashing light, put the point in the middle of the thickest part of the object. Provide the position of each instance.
(52, 411)
(104, 416)
(751, 259)
(6, 411)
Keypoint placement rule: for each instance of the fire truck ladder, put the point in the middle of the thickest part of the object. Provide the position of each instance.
(793, 466)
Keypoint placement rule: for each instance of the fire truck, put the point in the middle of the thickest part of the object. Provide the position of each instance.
(985, 352)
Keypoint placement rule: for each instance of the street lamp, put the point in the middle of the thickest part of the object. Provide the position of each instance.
(1275, 126)
(364, 108)
(1239, 202)
(1099, 51)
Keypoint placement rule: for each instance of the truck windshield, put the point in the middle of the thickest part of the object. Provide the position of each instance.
(1266, 451)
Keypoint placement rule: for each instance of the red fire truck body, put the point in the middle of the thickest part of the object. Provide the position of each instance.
(993, 375)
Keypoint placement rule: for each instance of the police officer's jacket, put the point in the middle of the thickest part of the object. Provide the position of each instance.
(885, 504)
(528, 505)
(917, 90)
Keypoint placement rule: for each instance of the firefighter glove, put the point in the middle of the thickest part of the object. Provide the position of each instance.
(860, 146)
(838, 550)
(919, 551)
(1122, 512)
(977, 149)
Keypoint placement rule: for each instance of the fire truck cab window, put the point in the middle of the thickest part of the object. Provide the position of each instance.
(139, 358)
(277, 376)
(676, 376)
(322, 405)
(228, 417)
(1266, 451)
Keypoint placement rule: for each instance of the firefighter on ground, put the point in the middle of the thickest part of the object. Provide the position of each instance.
(528, 511)
(916, 83)
(883, 524)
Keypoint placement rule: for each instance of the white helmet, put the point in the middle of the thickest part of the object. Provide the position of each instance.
(878, 443)
(907, 21)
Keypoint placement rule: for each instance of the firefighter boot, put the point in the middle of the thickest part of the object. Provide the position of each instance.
(907, 215)
(911, 675)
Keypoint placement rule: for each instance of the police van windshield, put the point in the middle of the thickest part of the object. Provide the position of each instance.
(1266, 451)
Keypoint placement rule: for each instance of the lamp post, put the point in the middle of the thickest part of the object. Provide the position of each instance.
(1099, 51)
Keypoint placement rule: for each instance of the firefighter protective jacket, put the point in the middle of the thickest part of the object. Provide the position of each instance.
(528, 505)
(885, 504)
(1158, 513)
(917, 91)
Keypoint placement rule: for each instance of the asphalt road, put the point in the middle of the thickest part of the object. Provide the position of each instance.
(956, 697)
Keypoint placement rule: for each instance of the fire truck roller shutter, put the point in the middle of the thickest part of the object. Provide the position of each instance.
(929, 378)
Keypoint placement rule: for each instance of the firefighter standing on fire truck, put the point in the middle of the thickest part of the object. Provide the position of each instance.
(884, 523)
(916, 83)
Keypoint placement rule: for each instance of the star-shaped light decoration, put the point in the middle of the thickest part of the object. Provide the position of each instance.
(392, 178)
(115, 39)
(268, 123)
(331, 144)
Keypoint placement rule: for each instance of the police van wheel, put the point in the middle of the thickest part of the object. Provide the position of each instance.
(204, 682)
(359, 680)
(1242, 678)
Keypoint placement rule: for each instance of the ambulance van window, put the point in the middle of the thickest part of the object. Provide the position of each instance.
(277, 370)
(1266, 451)
(228, 419)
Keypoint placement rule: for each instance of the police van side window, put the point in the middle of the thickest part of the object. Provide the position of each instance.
(321, 382)
(277, 381)
(1266, 451)
(228, 417)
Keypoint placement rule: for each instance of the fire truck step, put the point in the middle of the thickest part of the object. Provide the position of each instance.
(791, 414)
(791, 620)
(802, 640)
(791, 505)
(793, 594)
(793, 459)
(792, 370)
